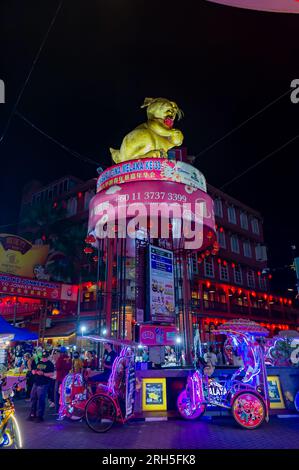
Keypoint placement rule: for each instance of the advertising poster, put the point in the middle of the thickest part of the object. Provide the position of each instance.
(152, 169)
(152, 335)
(130, 387)
(26, 287)
(154, 394)
(161, 285)
(18, 256)
(275, 393)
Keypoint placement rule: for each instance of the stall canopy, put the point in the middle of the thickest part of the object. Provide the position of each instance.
(20, 334)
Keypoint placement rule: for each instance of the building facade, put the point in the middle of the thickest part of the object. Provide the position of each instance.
(234, 283)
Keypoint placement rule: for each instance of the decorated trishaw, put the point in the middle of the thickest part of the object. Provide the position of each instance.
(112, 401)
(245, 393)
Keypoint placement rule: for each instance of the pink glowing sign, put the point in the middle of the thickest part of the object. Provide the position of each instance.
(279, 6)
(152, 335)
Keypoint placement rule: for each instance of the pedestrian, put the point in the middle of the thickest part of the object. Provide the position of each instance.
(90, 363)
(42, 372)
(28, 361)
(210, 357)
(108, 359)
(63, 367)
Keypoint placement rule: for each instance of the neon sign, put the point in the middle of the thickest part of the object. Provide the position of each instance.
(278, 6)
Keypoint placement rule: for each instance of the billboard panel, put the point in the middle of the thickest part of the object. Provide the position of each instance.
(161, 285)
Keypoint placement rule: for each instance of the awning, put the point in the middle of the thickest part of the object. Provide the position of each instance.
(20, 334)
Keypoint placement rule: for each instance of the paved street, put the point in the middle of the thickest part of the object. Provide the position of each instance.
(217, 433)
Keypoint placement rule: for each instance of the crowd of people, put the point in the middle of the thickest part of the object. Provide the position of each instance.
(46, 369)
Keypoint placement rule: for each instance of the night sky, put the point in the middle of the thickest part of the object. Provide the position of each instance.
(102, 57)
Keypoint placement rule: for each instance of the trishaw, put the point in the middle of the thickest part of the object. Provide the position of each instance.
(10, 434)
(245, 393)
(112, 402)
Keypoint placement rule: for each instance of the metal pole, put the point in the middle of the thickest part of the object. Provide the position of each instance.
(187, 314)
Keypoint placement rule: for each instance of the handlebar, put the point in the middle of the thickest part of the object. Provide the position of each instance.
(13, 385)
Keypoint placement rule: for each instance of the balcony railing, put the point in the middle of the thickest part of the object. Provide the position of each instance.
(235, 308)
(215, 306)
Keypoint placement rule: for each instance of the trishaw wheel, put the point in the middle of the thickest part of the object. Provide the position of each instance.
(185, 409)
(13, 433)
(100, 413)
(248, 410)
(296, 401)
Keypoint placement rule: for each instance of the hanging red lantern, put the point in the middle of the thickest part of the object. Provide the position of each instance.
(219, 260)
(80, 195)
(210, 235)
(90, 239)
(259, 273)
(233, 265)
(88, 250)
(224, 263)
(96, 259)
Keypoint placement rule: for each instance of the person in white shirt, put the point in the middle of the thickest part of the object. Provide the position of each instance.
(210, 357)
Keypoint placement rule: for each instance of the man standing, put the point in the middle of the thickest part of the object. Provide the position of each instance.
(42, 373)
(63, 367)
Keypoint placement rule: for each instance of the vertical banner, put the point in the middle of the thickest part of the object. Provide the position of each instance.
(161, 285)
(130, 386)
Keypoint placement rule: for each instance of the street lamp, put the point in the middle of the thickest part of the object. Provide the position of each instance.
(83, 329)
(104, 332)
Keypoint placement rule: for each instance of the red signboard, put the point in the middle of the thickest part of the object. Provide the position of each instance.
(25, 287)
(156, 335)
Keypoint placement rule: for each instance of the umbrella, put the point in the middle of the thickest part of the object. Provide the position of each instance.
(242, 326)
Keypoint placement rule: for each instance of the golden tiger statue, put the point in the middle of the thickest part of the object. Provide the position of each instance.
(155, 137)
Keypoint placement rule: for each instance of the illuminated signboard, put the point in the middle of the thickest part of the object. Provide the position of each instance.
(280, 6)
(161, 285)
(275, 393)
(154, 395)
(152, 169)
